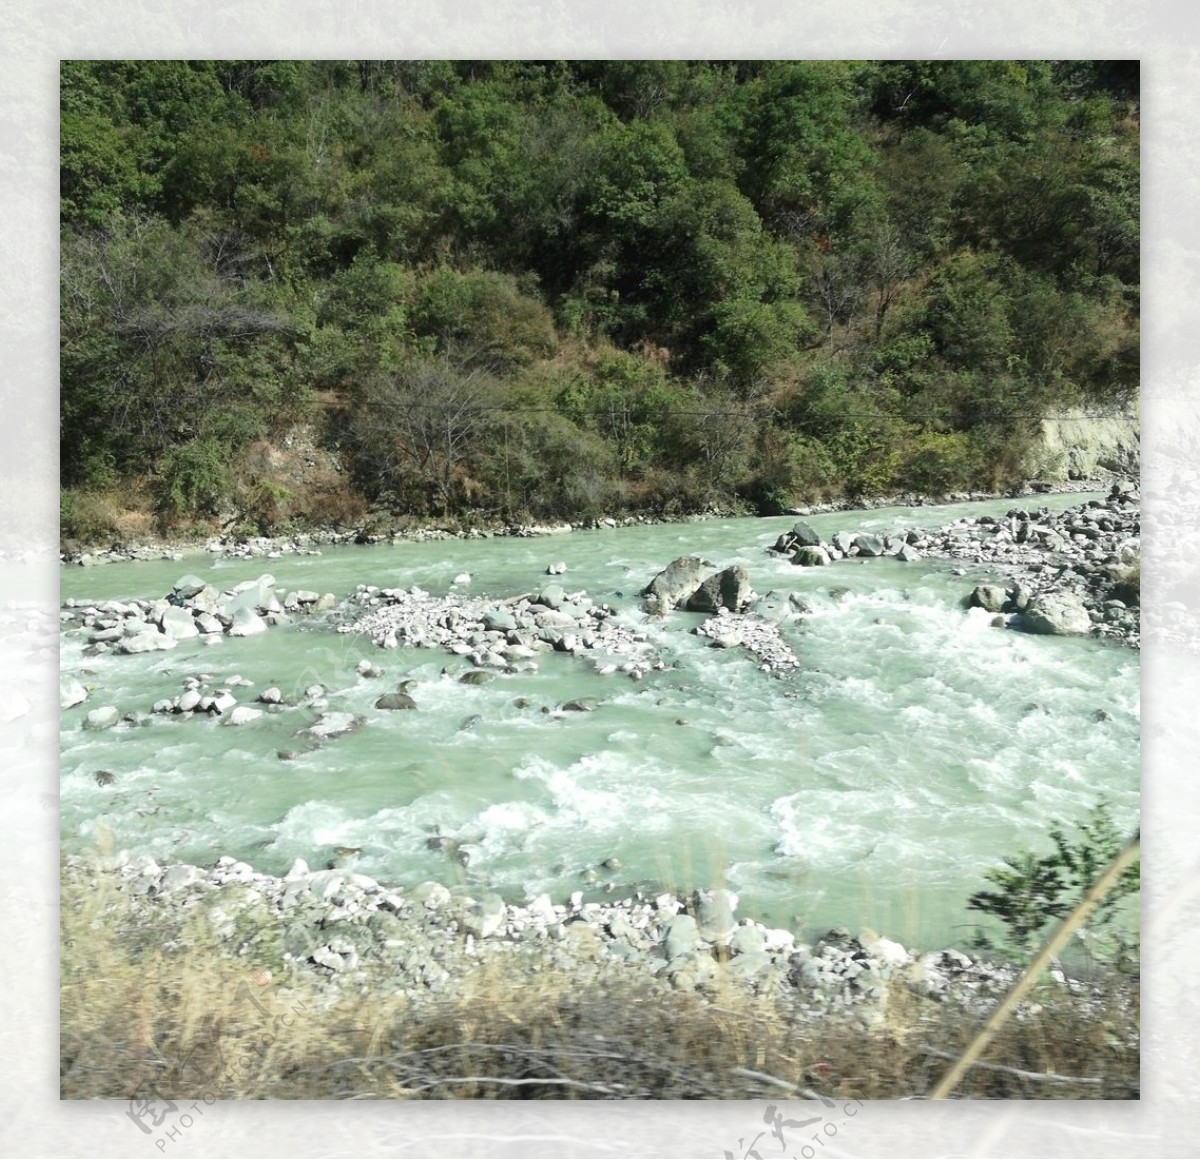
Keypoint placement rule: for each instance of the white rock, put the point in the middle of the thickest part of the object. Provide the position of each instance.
(243, 715)
(247, 623)
(102, 718)
(71, 692)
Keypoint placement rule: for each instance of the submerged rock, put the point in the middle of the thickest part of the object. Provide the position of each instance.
(330, 725)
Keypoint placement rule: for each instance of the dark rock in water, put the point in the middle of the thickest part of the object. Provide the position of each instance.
(675, 584)
(523, 703)
(470, 723)
(726, 589)
(869, 545)
(395, 701)
(1101, 715)
(811, 557)
(581, 705)
(286, 754)
(104, 777)
(990, 597)
(804, 535)
(1018, 598)
(476, 677)
(188, 586)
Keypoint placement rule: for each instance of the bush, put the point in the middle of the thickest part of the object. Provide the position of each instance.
(194, 478)
(934, 464)
(1033, 891)
(86, 517)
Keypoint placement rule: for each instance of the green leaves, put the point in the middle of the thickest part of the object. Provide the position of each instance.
(1033, 891)
(895, 266)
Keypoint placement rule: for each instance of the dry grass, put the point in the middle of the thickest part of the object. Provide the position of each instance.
(140, 1018)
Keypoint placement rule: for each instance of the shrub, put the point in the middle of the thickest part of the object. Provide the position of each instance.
(1033, 891)
(86, 516)
(194, 478)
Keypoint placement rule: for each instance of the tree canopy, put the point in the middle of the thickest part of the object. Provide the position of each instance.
(637, 284)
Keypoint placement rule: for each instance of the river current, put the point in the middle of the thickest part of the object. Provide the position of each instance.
(914, 748)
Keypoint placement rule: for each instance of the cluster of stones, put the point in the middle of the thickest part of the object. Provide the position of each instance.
(344, 930)
(199, 697)
(806, 548)
(756, 634)
(503, 634)
(740, 620)
(193, 608)
(1066, 567)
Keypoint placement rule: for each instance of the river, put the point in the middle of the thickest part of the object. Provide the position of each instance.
(915, 746)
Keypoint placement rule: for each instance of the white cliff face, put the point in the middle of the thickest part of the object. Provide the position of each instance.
(1081, 444)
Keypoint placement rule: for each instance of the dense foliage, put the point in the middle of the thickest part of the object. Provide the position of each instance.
(565, 288)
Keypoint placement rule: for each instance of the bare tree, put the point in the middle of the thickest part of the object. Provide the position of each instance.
(421, 424)
(889, 265)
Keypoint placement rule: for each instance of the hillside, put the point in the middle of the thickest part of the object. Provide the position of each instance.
(512, 290)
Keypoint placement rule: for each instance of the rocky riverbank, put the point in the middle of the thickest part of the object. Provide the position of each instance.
(310, 542)
(1073, 572)
(346, 933)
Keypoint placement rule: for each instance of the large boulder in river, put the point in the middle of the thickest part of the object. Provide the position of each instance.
(246, 622)
(804, 536)
(178, 622)
(677, 582)
(102, 718)
(729, 588)
(188, 586)
(989, 597)
(1055, 614)
(148, 641)
(869, 545)
(811, 556)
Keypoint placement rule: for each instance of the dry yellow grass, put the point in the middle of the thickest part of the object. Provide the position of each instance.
(141, 1020)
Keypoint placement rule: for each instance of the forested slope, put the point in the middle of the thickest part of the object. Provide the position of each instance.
(534, 289)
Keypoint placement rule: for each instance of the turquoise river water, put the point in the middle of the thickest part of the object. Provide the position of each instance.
(914, 748)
